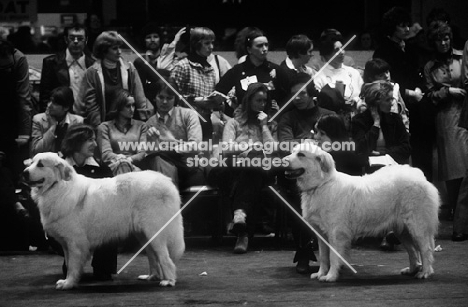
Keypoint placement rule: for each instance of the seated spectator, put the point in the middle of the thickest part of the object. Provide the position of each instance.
(172, 124)
(49, 128)
(243, 184)
(377, 131)
(120, 137)
(78, 149)
(318, 62)
(338, 75)
(378, 69)
(108, 74)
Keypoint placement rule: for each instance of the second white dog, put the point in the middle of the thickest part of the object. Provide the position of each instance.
(343, 207)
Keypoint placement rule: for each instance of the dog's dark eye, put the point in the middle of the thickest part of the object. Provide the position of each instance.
(39, 164)
(300, 154)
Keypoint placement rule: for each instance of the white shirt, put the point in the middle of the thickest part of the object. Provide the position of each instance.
(76, 71)
(349, 76)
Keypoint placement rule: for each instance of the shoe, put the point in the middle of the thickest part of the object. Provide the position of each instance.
(302, 257)
(242, 244)
(239, 227)
(459, 237)
(386, 246)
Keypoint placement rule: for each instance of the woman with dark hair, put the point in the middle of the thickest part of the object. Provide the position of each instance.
(107, 75)
(445, 90)
(256, 68)
(78, 149)
(120, 130)
(243, 184)
(332, 136)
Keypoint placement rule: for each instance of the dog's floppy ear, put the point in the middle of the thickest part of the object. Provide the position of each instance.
(326, 161)
(65, 171)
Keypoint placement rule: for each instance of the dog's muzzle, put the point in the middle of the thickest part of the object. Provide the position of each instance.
(30, 183)
(294, 173)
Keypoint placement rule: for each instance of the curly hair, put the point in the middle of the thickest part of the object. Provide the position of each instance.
(437, 31)
(374, 92)
(104, 41)
(75, 137)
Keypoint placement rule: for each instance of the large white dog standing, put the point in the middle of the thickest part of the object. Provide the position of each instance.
(81, 213)
(343, 207)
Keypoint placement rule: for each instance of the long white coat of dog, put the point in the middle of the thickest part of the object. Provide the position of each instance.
(343, 207)
(81, 213)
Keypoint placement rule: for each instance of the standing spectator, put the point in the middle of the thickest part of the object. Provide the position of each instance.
(78, 149)
(299, 50)
(256, 68)
(337, 73)
(107, 75)
(49, 128)
(157, 55)
(15, 118)
(66, 68)
(294, 126)
(460, 219)
(445, 90)
(94, 25)
(318, 62)
(400, 56)
(196, 78)
(23, 40)
(120, 129)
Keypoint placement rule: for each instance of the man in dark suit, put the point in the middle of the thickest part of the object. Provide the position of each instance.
(66, 68)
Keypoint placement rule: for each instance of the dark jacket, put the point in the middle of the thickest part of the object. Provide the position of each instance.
(54, 74)
(365, 135)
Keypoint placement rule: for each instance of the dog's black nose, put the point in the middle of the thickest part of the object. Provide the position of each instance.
(26, 175)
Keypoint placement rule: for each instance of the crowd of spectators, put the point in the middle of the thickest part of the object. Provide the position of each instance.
(181, 93)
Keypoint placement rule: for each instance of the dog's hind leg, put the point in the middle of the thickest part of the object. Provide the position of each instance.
(424, 242)
(168, 268)
(155, 272)
(77, 256)
(413, 254)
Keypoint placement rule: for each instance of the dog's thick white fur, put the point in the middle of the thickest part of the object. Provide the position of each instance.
(343, 207)
(81, 213)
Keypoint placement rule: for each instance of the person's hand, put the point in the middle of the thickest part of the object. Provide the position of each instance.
(417, 94)
(120, 157)
(375, 116)
(153, 132)
(262, 118)
(22, 140)
(274, 105)
(457, 92)
(179, 34)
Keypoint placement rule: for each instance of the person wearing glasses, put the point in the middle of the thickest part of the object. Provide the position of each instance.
(66, 68)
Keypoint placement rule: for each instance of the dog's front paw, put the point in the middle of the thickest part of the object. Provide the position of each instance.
(148, 277)
(167, 283)
(64, 284)
(329, 278)
(423, 274)
(411, 271)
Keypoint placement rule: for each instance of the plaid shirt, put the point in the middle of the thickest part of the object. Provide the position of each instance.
(193, 79)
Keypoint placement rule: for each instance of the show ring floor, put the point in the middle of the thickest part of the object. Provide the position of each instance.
(265, 276)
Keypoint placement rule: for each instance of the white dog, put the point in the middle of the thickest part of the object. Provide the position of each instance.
(81, 213)
(343, 207)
